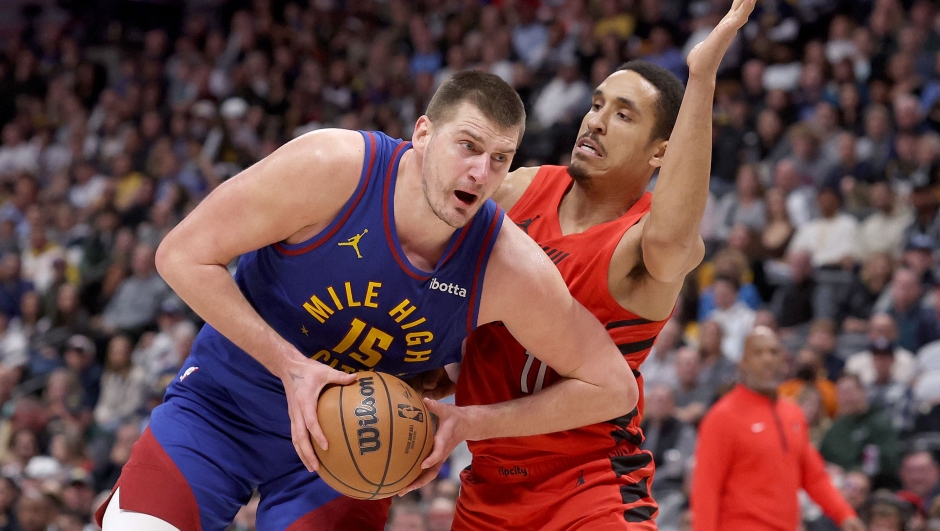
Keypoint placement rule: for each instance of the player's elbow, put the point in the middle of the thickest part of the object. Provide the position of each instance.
(168, 259)
(622, 391)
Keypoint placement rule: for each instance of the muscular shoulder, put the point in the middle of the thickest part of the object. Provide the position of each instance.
(517, 266)
(516, 183)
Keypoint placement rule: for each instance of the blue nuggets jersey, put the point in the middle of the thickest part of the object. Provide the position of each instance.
(350, 298)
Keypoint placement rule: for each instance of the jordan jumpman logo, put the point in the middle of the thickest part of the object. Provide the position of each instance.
(354, 242)
(524, 224)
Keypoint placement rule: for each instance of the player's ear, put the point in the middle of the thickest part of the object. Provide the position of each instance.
(422, 134)
(656, 160)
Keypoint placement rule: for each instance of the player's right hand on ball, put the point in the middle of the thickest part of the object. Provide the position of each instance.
(304, 380)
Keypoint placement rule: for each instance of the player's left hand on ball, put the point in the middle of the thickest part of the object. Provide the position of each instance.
(448, 435)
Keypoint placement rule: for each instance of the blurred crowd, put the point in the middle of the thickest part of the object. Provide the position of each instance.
(823, 220)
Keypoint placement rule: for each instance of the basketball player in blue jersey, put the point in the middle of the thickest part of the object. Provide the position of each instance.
(358, 252)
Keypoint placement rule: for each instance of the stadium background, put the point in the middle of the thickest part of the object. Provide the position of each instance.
(119, 116)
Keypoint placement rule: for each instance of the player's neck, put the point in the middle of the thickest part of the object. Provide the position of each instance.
(423, 235)
(593, 203)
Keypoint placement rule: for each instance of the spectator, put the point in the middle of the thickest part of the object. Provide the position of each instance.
(883, 230)
(122, 386)
(793, 302)
(672, 443)
(856, 309)
(735, 318)
(779, 230)
(829, 238)
(810, 401)
(882, 331)
(885, 393)
(717, 371)
(854, 177)
(79, 356)
(731, 456)
(659, 367)
(12, 285)
(745, 206)
(920, 475)
(861, 438)
(135, 304)
(905, 295)
(810, 372)
(692, 398)
(34, 511)
(800, 202)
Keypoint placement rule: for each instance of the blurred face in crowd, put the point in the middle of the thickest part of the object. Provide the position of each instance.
(763, 365)
(119, 353)
(688, 367)
(34, 511)
(725, 294)
(811, 403)
(829, 202)
(616, 134)
(881, 325)
(786, 177)
(801, 265)
(905, 289)
(24, 445)
(747, 184)
(143, 260)
(855, 487)
(882, 197)
(885, 518)
(919, 473)
(660, 403)
(847, 148)
(668, 337)
(466, 158)
(776, 201)
(710, 337)
(851, 395)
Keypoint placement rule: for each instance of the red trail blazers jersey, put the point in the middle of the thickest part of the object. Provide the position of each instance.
(496, 368)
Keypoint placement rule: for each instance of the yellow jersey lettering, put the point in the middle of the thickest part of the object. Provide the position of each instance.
(417, 338)
(413, 324)
(354, 332)
(375, 338)
(371, 294)
(339, 305)
(402, 311)
(347, 369)
(318, 309)
(352, 303)
(414, 356)
(325, 358)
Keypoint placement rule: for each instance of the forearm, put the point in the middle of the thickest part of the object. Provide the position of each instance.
(566, 405)
(682, 187)
(213, 294)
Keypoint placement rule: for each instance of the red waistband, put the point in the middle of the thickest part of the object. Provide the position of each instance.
(498, 471)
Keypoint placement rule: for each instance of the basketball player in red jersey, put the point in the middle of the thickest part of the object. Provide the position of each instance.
(624, 254)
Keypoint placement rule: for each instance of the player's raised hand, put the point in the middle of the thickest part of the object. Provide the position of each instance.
(705, 57)
(304, 380)
(448, 435)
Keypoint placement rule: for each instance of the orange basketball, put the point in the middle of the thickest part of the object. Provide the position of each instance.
(378, 431)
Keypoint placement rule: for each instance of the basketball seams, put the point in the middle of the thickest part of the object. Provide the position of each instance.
(342, 419)
(427, 436)
(391, 433)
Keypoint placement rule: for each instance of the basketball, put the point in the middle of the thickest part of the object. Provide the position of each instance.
(378, 432)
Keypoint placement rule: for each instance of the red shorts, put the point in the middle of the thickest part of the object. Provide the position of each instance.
(151, 483)
(607, 493)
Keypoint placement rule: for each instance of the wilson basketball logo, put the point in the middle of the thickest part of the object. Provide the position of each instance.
(368, 435)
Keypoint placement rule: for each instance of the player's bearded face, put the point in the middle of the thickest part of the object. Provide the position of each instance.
(455, 185)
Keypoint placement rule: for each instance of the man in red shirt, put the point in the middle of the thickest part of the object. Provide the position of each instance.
(754, 454)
